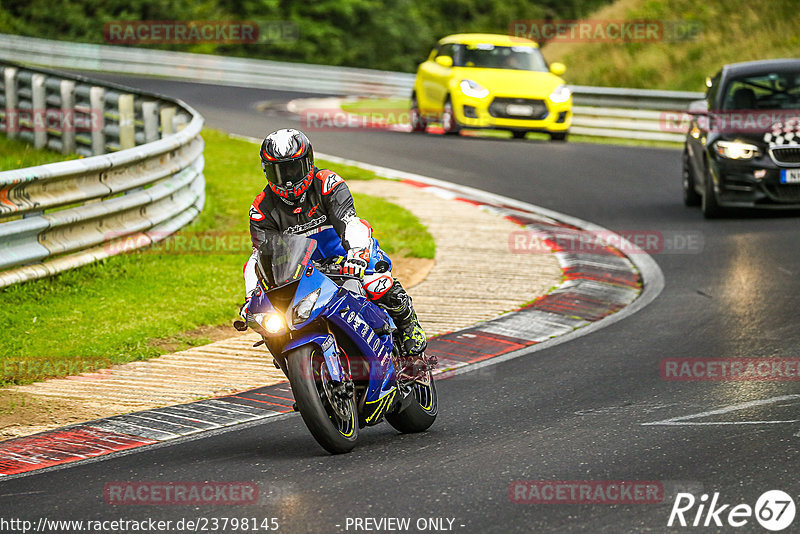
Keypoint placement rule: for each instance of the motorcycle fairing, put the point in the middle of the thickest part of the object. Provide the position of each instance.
(330, 351)
(345, 313)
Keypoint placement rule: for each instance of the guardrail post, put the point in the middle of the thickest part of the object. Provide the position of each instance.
(12, 113)
(39, 111)
(97, 103)
(179, 122)
(127, 128)
(150, 118)
(167, 115)
(67, 116)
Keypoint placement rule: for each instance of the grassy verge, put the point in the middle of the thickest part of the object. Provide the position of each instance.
(16, 154)
(698, 38)
(392, 110)
(397, 230)
(118, 310)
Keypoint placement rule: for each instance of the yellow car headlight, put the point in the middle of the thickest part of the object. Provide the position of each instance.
(560, 94)
(473, 89)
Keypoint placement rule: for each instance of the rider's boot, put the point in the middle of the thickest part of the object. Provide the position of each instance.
(398, 305)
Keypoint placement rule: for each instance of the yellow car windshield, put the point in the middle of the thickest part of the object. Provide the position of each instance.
(488, 56)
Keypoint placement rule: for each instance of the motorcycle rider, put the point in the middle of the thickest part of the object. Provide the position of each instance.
(316, 203)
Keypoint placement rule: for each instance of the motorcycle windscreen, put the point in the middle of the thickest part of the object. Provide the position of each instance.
(283, 258)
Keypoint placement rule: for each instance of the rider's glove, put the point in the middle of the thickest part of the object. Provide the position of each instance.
(356, 262)
(245, 308)
(241, 326)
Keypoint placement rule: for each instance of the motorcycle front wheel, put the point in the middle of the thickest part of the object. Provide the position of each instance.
(333, 421)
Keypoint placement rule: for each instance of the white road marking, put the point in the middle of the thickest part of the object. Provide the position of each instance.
(685, 420)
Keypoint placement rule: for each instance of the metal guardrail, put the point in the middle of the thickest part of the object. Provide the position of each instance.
(598, 111)
(631, 113)
(63, 215)
(319, 79)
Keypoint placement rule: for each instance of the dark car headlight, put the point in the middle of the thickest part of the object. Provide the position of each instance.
(738, 150)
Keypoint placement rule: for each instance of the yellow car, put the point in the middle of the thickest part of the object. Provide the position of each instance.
(478, 80)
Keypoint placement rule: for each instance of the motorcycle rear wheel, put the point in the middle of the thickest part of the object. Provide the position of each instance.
(422, 411)
(311, 383)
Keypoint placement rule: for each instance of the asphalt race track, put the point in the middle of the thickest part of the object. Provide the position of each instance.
(576, 411)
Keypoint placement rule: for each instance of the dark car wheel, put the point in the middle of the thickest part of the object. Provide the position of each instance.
(690, 196)
(449, 124)
(518, 134)
(558, 136)
(709, 205)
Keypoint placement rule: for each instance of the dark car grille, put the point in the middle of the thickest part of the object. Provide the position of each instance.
(786, 154)
(498, 108)
(784, 192)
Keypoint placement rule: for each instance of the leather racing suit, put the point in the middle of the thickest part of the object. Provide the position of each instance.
(326, 214)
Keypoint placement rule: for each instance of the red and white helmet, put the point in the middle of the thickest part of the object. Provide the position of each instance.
(288, 163)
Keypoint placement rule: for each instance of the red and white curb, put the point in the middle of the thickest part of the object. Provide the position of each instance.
(599, 288)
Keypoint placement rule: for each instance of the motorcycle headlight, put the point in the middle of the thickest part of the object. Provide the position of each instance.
(560, 94)
(302, 310)
(736, 149)
(473, 89)
(272, 322)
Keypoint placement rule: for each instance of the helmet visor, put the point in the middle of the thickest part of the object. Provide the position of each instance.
(282, 172)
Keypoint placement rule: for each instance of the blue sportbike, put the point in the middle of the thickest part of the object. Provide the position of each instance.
(338, 349)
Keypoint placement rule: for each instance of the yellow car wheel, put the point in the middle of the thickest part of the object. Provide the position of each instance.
(418, 122)
(449, 123)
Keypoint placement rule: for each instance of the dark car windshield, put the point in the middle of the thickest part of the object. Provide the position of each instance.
(488, 56)
(778, 90)
(282, 258)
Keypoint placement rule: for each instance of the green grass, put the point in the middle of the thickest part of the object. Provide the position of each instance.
(113, 310)
(591, 139)
(16, 154)
(397, 230)
(391, 110)
(730, 31)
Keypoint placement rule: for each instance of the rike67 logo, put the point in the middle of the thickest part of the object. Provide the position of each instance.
(774, 510)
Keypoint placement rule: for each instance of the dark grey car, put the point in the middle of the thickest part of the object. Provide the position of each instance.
(743, 144)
